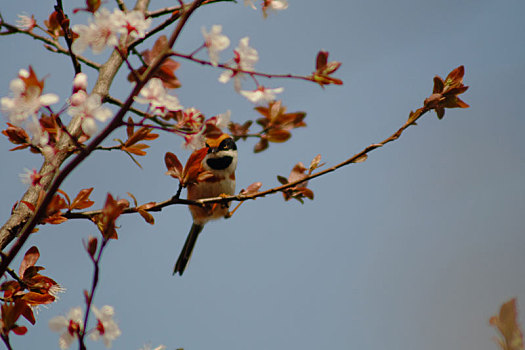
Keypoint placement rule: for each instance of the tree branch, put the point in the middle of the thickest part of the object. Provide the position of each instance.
(22, 215)
(356, 158)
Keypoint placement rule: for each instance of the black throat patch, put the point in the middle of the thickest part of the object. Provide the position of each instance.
(219, 163)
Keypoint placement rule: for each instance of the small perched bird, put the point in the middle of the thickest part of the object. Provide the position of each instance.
(220, 161)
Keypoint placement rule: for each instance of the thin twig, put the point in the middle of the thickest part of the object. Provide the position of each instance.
(237, 70)
(54, 46)
(121, 5)
(117, 102)
(168, 10)
(94, 284)
(68, 36)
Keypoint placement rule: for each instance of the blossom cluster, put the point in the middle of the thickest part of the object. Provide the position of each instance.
(105, 29)
(245, 58)
(71, 326)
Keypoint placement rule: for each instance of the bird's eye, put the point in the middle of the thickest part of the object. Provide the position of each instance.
(227, 144)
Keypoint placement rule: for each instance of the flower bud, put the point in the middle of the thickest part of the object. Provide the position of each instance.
(80, 82)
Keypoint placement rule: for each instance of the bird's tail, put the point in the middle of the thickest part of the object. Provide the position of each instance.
(185, 254)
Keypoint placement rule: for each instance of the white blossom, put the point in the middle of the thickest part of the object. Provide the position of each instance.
(215, 42)
(245, 59)
(277, 5)
(30, 177)
(135, 24)
(223, 119)
(80, 82)
(261, 95)
(195, 141)
(40, 137)
(107, 328)
(101, 32)
(67, 326)
(25, 22)
(160, 102)
(89, 110)
(26, 99)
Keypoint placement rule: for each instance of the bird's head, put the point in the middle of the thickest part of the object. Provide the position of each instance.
(222, 154)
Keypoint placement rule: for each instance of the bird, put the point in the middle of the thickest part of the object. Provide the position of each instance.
(221, 162)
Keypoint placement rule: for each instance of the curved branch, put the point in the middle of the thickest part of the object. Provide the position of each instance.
(356, 158)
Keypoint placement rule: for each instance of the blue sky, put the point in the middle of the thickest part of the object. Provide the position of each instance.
(415, 248)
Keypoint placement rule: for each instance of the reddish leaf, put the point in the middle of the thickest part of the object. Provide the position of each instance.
(136, 149)
(166, 71)
(19, 330)
(315, 163)
(239, 131)
(16, 135)
(321, 60)
(30, 258)
(193, 166)
(142, 134)
(174, 166)
(507, 324)
(361, 159)
(130, 127)
(143, 212)
(32, 298)
(82, 200)
(55, 219)
(278, 135)
(252, 189)
(28, 314)
(107, 218)
(91, 246)
(282, 180)
(147, 216)
(261, 145)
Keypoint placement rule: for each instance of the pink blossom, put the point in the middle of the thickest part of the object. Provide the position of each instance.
(215, 42)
